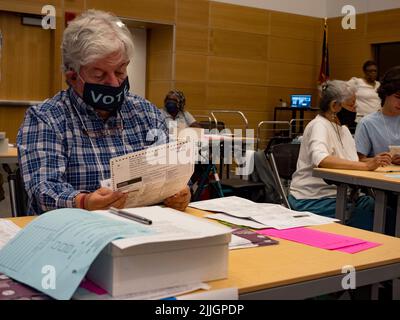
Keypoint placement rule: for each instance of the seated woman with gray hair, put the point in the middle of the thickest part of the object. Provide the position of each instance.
(328, 144)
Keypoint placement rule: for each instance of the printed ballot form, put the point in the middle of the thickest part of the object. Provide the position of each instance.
(151, 175)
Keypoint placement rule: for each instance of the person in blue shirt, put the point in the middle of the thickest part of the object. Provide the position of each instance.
(65, 144)
(378, 130)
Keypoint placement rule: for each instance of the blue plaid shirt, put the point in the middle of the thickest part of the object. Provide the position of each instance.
(64, 147)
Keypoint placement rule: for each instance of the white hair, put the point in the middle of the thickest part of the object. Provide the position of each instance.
(94, 35)
(335, 90)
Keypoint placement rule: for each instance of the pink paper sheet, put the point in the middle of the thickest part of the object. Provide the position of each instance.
(359, 247)
(321, 239)
(92, 287)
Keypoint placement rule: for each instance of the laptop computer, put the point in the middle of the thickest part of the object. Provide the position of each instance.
(300, 101)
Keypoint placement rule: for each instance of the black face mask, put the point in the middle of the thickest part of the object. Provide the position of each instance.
(172, 107)
(105, 97)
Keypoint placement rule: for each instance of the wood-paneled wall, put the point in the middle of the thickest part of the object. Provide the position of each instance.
(222, 56)
(349, 49)
(241, 58)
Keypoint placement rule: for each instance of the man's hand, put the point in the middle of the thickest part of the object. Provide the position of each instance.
(103, 199)
(396, 159)
(180, 200)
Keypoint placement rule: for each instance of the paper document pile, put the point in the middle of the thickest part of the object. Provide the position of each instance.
(247, 213)
(56, 250)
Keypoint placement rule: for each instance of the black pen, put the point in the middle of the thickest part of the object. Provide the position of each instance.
(128, 215)
(301, 216)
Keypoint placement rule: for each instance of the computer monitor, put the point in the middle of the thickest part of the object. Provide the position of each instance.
(300, 101)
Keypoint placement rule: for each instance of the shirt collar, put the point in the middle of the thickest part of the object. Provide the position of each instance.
(78, 102)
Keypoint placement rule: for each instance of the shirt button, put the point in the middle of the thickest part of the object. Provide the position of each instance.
(113, 150)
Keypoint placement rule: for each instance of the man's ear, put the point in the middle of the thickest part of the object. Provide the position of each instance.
(71, 76)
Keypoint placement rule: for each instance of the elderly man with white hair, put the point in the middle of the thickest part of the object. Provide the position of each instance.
(65, 144)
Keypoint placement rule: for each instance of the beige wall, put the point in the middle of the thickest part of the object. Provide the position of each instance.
(222, 56)
(349, 49)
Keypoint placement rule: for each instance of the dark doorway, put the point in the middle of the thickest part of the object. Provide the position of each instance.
(387, 55)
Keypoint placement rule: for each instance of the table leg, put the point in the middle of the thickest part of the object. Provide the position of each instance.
(397, 231)
(375, 291)
(396, 289)
(341, 203)
(380, 211)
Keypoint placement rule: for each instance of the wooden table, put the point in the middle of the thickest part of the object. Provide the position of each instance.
(291, 270)
(377, 180)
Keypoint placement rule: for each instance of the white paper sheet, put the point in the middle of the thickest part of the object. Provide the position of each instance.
(267, 214)
(240, 243)
(236, 221)
(169, 224)
(149, 176)
(8, 230)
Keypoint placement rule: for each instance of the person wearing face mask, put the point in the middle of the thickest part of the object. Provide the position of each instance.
(328, 144)
(174, 110)
(65, 144)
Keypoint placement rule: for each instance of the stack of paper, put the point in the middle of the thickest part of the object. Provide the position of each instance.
(55, 251)
(89, 291)
(244, 212)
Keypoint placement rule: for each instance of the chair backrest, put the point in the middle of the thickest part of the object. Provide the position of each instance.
(18, 195)
(211, 125)
(205, 123)
(285, 156)
(266, 130)
(283, 160)
(244, 122)
(276, 141)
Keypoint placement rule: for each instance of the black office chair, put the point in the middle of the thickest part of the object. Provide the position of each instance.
(239, 186)
(277, 140)
(18, 195)
(283, 160)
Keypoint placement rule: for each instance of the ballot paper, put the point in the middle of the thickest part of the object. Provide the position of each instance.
(247, 212)
(53, 253)
(8, 230)
(151, 175)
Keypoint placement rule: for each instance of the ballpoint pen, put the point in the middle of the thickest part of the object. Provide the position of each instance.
(301, 215)
(128, 215)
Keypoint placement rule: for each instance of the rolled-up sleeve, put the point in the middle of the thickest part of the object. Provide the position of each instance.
(42, 160)
(318, 144)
